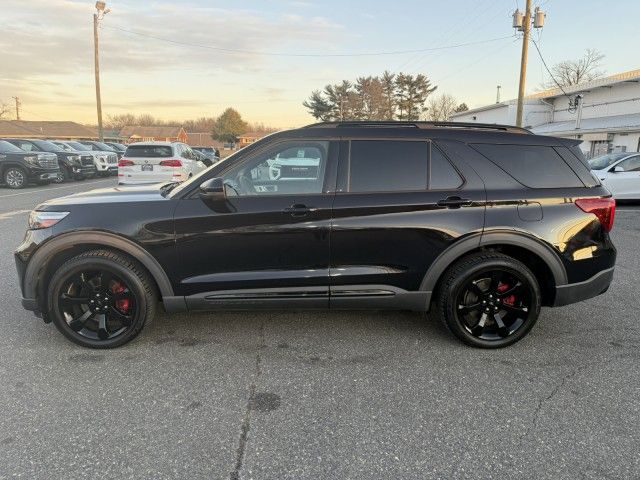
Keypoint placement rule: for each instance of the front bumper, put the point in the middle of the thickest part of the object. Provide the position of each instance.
(36, 173)
(577, 292)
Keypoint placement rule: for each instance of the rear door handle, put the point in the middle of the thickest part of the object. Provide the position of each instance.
(298, 210)
(454, 202)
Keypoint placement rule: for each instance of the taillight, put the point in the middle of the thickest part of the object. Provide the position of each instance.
(603, 208)
(125, 163)
(171, 163)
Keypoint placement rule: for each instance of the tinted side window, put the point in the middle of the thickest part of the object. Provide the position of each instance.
(443, 175)
(630, 164)
(383, 166)
(534, 166)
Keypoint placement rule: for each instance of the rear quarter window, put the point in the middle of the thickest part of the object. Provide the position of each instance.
(149, 151)
(534, 166)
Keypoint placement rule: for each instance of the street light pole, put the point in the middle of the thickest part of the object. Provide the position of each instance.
(101, 11)
(526, 30)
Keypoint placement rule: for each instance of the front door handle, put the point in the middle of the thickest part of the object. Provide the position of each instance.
(454, 202)
(298, 210)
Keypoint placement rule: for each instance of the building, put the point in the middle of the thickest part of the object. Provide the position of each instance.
(203, 139)
(46, 129)
(603, 113)
(250, 137)
(136, 133)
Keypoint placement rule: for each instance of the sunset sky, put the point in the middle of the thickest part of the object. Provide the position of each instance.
(46, 52)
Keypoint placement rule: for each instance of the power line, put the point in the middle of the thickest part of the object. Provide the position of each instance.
(547, 68)
(281, 54)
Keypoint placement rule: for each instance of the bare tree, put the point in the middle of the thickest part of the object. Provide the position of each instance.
(4, 111)
(572, 72)
(441, 107)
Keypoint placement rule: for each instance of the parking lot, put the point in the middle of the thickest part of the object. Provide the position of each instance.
(292, 395)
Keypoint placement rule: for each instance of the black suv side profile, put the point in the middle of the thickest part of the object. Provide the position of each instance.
(18, 168)
(486, 223)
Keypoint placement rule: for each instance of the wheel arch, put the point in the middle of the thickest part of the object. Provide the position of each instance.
(534, 253)
(67, 245)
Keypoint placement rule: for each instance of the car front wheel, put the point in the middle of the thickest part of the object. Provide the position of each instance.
(101, 299)
(15, 177)
(489, 300)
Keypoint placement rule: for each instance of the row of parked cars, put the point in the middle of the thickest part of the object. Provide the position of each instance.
(24, 161)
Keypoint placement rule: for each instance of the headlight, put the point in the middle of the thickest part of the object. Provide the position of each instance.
(74, 158)
(103, 158)
(32, 159)
(39, 220)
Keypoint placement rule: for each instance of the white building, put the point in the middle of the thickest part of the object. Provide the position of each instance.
(608, 119)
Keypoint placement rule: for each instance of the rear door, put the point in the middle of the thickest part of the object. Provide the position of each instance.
(399, 204)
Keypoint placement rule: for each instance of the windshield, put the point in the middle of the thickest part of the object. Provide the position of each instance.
(604, 161)
(79, 146)
(6, 147)
(99, 146)
(149, 151)
(47, 146)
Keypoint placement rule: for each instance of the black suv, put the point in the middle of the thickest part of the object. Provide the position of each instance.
(486, 223)
(72, 165)
(18, 168)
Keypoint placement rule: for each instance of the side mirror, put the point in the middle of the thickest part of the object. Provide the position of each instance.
(618, 169)
(207, 161)
(213, 189)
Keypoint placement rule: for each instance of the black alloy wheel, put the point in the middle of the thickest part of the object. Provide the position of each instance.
(101, 299)
(492, 300)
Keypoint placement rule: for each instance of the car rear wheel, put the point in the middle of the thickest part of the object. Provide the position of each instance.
(15, 177)
(101, 299)
(489, 300)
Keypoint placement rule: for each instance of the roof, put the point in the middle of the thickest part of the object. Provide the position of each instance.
(45, 129)
(202, 139)
(587, 125)
(256, 134)
(152, 131)
(420, 125)
(630, 76)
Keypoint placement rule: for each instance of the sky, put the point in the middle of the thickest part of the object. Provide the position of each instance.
(46, 52)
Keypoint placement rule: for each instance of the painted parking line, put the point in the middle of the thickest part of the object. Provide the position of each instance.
(7, 215)
(34, 192)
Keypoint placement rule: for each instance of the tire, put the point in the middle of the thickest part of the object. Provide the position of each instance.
(15, 177)
(489, 300)
(108, 323)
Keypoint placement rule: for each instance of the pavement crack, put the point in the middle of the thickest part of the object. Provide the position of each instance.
(543, 400)
(246, 420)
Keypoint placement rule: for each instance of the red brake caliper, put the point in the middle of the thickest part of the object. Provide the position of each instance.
(511, 299)
(124, 303)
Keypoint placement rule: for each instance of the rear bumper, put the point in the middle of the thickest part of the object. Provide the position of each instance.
(577, 292)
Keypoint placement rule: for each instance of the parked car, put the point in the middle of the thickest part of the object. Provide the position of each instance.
(210, 152)
(485, 223)
(201, 157)
(18, 168)
(153, 162)
(72, 164)
(620, 173)
(101, 147)
(118, 147)
(106, 162)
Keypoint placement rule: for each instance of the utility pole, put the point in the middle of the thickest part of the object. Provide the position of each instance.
(526, 30)
(18, 103)
(498, 94)
(101, 11)
(523, 24)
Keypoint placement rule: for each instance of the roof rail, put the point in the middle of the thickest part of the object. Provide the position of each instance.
(420, 124)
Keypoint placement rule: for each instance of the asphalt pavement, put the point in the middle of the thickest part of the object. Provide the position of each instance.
(315, 395)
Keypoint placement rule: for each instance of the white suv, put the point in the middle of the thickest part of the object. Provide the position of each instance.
(154, 162)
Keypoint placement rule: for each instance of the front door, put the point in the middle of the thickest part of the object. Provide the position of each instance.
(625, 183)
(399, 204)
(267, 243)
